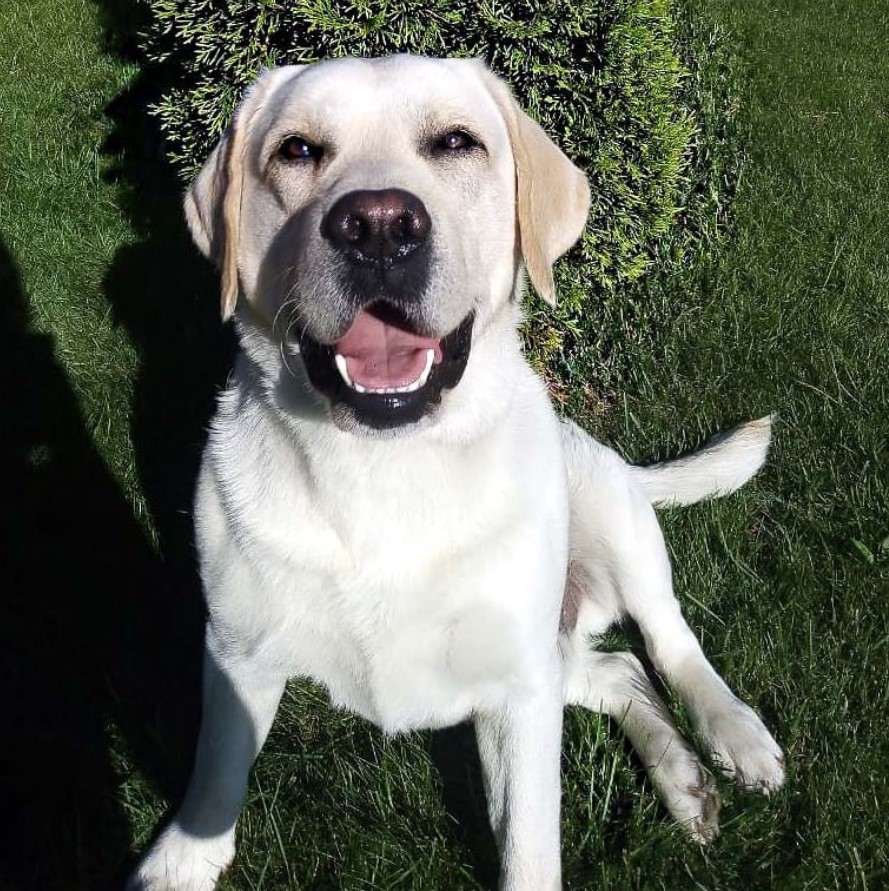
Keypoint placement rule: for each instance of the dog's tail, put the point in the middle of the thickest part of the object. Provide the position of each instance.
(724, 464)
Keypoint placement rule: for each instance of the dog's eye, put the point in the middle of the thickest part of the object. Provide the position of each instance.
(295, 148)
(455, 141)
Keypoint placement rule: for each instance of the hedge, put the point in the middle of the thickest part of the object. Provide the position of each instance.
(603, 77)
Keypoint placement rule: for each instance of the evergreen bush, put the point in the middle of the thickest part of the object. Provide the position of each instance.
(603, 77)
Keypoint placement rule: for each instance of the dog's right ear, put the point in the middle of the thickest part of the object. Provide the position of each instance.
(203, 201)
(213, 210)
(213, 201)
(203, 206)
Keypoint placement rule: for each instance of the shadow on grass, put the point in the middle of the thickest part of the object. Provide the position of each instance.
(100, 624)
(166, 298)
(455, 755)
(88, 630)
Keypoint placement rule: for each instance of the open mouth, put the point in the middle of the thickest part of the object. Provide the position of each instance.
(386, 374)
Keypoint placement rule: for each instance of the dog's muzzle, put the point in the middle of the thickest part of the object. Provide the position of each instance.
(384, 369)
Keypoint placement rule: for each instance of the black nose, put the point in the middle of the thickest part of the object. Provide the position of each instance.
(377, 228)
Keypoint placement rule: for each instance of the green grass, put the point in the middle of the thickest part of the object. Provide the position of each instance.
(786, 582)
(59, 222)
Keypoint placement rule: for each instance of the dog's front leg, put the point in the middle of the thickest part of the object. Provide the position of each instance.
(239, 704)
(520, 748)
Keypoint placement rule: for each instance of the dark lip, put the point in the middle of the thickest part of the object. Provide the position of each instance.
(385, 411)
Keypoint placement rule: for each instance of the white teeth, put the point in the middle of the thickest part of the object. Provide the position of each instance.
(424, 374)
(343, 369)
(412, 387)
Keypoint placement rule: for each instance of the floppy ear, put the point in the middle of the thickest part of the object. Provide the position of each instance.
(213, 211)
(552, 195)
(213, 201)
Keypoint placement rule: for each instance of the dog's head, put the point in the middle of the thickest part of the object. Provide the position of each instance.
(375, 216)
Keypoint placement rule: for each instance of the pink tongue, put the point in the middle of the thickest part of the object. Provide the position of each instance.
(382, 356)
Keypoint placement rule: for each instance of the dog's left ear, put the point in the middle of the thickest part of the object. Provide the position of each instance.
(552, 195)
(213, 201)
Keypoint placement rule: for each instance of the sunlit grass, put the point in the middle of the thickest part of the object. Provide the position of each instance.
(786, 582)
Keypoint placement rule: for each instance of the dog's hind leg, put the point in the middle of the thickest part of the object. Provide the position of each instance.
(616, 684)
(738, 740)
(617, 545)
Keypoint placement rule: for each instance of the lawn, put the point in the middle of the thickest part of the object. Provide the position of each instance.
(111, 355)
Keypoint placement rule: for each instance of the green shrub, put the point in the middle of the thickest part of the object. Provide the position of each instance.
(600, 75)
(603, 77)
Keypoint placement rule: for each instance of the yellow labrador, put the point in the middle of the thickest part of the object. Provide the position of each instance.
(388, 503)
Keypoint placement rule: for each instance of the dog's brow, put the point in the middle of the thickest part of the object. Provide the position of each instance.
(434, 124)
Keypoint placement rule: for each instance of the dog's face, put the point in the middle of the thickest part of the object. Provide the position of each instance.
(375, 214)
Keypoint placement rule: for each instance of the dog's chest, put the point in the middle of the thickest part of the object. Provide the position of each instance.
(414, 593)
(424, 607)
(410, 656)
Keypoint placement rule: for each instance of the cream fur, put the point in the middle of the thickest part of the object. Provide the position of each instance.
(458, 570)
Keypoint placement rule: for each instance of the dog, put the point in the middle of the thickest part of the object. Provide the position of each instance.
(388, 502)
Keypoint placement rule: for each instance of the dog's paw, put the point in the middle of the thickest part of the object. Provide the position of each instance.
(178, 861)
(743, 748)
(688, 791)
